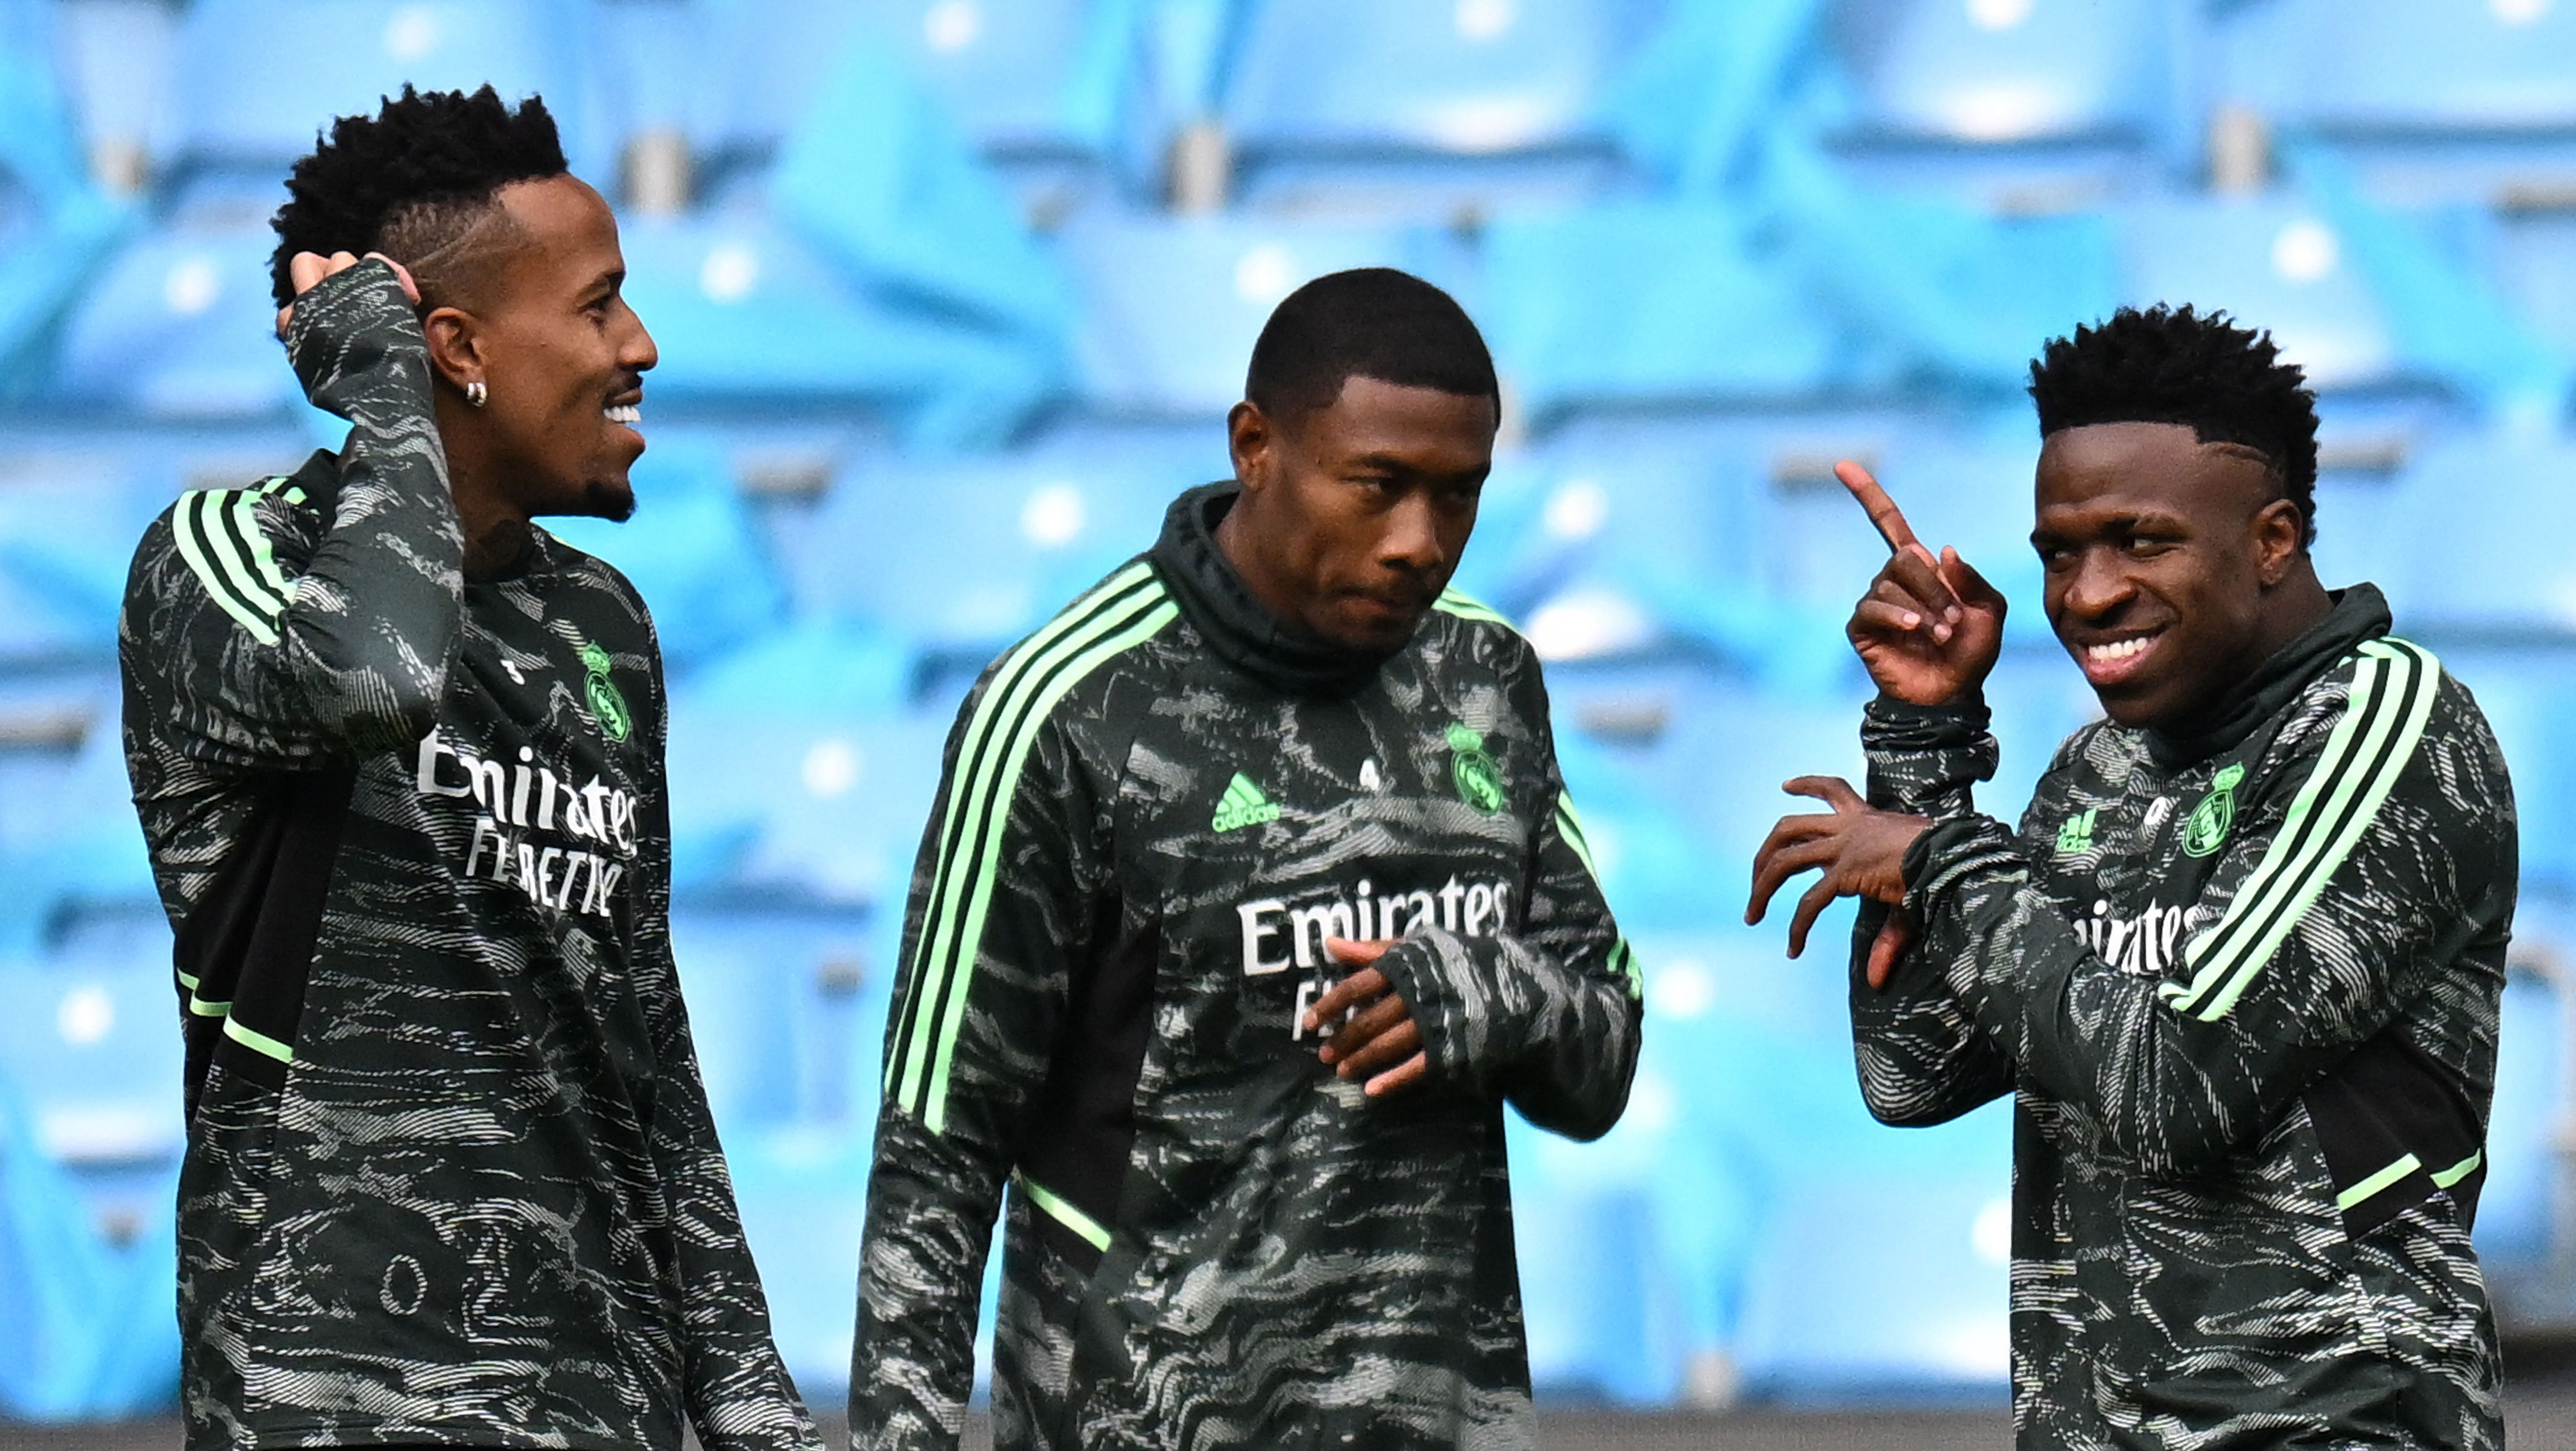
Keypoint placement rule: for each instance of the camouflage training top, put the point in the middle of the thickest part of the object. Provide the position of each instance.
(2244, 988)
(450, 1177)
(1154, 812)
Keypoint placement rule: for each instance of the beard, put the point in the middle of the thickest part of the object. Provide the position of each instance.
(614, 502)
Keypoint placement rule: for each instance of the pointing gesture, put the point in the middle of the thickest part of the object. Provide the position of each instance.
(1930, 627)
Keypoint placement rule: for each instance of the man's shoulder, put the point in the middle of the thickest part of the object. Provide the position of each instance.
(1091, 641)
(1464, 627)
(237, 546)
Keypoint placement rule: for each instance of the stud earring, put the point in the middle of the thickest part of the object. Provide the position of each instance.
(476, 394)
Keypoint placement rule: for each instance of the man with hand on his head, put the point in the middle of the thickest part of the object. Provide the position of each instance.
(450, 1178)
(2239, 966)
(1259, 1197)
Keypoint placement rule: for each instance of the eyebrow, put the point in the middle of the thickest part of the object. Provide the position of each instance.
(2133, 521)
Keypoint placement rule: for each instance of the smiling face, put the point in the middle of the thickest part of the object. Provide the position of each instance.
(1353, 515)
(561, 354)
(2165, 560)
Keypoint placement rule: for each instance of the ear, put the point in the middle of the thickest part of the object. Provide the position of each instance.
(2278, 545)
(455, 346)
(1253, 443)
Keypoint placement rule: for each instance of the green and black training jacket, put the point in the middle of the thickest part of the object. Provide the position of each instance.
(2243, 985)
(450, 1175)
(1153, 813)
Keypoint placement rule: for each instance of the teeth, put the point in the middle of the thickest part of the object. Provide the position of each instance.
(623, 413)
(2118, 649)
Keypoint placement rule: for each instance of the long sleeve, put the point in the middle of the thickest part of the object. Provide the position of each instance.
(1549, 1016)
(1920, 1056)
(1001, 910)
(737, 1389)
(2366, 849)
(261, 659)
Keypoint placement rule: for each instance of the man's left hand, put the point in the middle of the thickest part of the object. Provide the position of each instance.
(1380, 1039)
(1861, 851)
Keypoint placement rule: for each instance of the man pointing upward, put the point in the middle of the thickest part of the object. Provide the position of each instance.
(2240, 964)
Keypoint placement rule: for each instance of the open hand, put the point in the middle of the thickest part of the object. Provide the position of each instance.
(1862, 852)
(1929, 628)
(305, 269)
(1380, 1039)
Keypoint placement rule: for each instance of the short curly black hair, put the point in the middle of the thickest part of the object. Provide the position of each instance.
(415, 177)
(1369, 322)
(2173, 365)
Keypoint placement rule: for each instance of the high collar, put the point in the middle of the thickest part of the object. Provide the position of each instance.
(2360, 613)
(1238, 626)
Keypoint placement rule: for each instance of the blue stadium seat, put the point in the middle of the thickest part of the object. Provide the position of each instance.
(67, 535)
(2517, 1208)
(690, 550)
(804, 1206)
(72, 844)
(97, 1060)
(1647, 303)
(2001, 72)
(1507, 91)
(85, 1328)
(970, 553)
(2535, 269)
(1171, 307)
(746, 314)
(805, 807)
(1023, 78)
(1881, 1284)
(257, 79)
(180, 326)
(2433, 66)
(2460, 572)
(2275, 263)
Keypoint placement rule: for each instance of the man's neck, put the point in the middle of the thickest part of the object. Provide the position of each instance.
(495, 529)
(2298, 603)
(1233, 541)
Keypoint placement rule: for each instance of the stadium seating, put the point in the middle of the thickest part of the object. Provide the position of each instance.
(936, 355)
(1172, 306)
(1506, 92)
(256, 79)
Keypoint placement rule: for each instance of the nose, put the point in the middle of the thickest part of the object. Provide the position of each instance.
(2099, 587)
(638, 352)
(1412, 539)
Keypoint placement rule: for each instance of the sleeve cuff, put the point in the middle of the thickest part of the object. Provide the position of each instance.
(1434, 971)
(1890, 724)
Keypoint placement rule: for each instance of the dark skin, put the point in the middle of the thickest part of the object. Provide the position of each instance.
(1352, 517)
(2173, 567)
(528, 304)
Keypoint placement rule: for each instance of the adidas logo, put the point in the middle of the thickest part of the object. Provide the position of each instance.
(1243, 805)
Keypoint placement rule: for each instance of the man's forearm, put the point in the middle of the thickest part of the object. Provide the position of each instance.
(1560, 1043)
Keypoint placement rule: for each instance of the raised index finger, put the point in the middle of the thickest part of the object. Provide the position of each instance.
(1883, 513)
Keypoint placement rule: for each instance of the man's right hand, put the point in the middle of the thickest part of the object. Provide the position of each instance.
(1929, 628)
(305, 269)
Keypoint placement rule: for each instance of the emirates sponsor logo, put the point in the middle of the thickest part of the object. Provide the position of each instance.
(566, 846)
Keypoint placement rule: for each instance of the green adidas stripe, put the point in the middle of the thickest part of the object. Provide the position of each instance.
(2445, 1178)
(257, 1042)
(1092, 1231)
(1466, 607)
(978, 796)
(2368, 1188)
(970, 770)
(2384, 719)
(997, 816)
(1623, 958)
(196, 528)
(1242, 795)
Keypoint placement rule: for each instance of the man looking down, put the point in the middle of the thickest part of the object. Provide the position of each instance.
(2240, 966)
(450, 1176)
(1251, 897)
